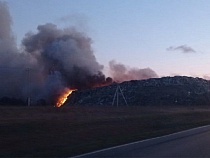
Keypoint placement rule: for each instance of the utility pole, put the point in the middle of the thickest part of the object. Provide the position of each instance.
(116, 96)
(28, 78)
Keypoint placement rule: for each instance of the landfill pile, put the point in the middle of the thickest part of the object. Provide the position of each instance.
(178, 90)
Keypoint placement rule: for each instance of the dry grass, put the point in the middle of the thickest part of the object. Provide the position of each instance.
(68, 131)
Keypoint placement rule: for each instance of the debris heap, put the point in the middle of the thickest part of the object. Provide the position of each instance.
(178, 90)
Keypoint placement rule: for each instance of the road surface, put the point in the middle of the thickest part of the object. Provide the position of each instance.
(190, 143)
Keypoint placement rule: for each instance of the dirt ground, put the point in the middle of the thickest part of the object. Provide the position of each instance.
(69, 131)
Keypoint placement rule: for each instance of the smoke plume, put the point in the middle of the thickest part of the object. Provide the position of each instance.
(120, 72)
(51, 60)
(11, 80)
(65, 58)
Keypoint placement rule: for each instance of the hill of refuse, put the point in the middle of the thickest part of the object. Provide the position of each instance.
(178, 90)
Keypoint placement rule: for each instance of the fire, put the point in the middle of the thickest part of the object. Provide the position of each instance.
(63, 97)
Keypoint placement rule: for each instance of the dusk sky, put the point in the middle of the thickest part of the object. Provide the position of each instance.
(172, 37)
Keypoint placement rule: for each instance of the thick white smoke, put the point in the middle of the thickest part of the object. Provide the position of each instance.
(11, 81)
(64, 58)
(50, 60)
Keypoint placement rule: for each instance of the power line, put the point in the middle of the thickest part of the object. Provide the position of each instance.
(2, 67)
(116, 96)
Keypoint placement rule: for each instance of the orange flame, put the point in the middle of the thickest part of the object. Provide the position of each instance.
(61, 100)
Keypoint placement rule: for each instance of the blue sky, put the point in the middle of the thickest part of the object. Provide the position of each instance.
(137, 33)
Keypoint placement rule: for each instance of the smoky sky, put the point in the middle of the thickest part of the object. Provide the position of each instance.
(67, 51)
(120, 72)
(52, 59)
(65, 57)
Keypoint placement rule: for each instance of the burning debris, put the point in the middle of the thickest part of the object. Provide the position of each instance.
(51, 63)
(63, 97)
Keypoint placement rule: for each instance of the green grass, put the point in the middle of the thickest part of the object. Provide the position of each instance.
(69, 131)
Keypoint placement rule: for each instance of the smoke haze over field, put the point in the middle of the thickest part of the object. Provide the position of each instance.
(51, 60)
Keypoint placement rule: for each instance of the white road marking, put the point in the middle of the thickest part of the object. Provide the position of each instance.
(169, 136)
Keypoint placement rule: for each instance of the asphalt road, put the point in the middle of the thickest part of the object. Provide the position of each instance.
(190, 143)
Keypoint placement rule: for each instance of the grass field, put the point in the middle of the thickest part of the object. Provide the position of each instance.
(69, 131)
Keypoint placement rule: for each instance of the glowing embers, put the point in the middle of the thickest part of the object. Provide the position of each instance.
(63, 97)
